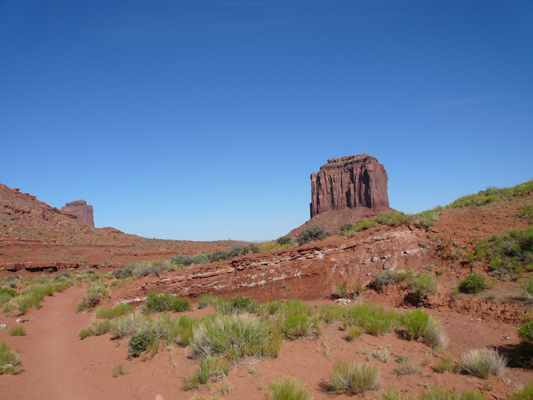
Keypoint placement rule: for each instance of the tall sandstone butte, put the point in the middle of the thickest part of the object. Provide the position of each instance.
(80, 210)
(349, 182)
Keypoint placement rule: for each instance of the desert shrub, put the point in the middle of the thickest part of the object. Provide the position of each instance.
(206, 300)
(95, 292)
(473, 283)
(237, 305)
(117, 311)
(445, 364)
(6, 294)
(271, 307)
(17, 331)
(344, 228)
(297, 307)
(231, 336)
(527, 289)
(508, 253)
(424, 284)
(102, 327)
(84, 333)
(182, 330)
(123, 273)
(525, 330)
(419, 325)
(289, 389)
(210, 368)
(218, 255)
(332, 312)
(157, 302)
(268, 246)
(353, 377)
(126, 326)
(406, 368)
(525, 394)
(140, 342)
(374, 319)
(119, 370)
(391, 218)
(388, 277)
(21, 303)
(340, 290)
(364, 224)
(284, 240)
(297, 326)
(483, 363)
(311, 235)
(424, 218)
(9, 361)
(437, 394)
(354, 332)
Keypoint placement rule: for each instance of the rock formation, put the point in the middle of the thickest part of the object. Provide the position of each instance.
(349, 182)
(80, 210)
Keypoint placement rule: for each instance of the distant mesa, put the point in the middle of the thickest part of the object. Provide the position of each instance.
(80, 210)
(349, 182)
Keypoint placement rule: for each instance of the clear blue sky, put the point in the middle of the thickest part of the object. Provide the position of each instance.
(203, 120)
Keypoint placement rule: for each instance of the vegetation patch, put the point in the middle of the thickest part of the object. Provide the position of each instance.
(9, 361)
(419, 325)
(474, 283)
(17, 331)
(311, 235)
(157, 302)
(353, 378)
(289, 389)
(117, 311)
(483, 363)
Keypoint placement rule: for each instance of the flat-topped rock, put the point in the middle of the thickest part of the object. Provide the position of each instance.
(80, 209)
(349, 182)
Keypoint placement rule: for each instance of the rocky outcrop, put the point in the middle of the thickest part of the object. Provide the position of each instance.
(80, 210)
(349, 182)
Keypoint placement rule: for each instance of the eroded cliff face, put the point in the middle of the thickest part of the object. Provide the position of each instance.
(349, 182)
(80, 210)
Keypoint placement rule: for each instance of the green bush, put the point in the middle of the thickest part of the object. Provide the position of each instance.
(234, 337)
(525, 394)
(84, 333)
(364, 224)
(284, 240)
(332, 312)
(419, 325)
(206, 300)
(9, 361)
(424, 284)
(117, 311)
(210, 368)
(353, 377)
(139, 343)
(289, 389)
(311, 235)
(297, 326)
(473, 283)
(297, 307)
(388, 277)
(237, 305)
(157, 302)
(17, 331)
(446, 364)
(374, 319)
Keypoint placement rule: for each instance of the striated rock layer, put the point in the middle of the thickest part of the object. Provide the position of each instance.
(80, 210)
(349, 182)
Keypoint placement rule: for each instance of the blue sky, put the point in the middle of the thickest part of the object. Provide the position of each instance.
(203, 120)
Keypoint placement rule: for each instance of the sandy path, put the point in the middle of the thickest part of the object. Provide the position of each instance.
(51, 361)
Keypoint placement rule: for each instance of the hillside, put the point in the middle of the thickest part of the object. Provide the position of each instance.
(37, 237)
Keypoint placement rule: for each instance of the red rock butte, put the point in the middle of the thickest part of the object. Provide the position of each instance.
(349, 182)
(80, 210)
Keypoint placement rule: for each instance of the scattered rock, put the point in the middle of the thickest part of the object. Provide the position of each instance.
(3, 326)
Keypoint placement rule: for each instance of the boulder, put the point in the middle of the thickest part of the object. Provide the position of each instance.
(349, 182)
(80, 209)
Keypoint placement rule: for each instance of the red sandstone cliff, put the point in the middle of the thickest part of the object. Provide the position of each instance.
(80, 210)
(349, 182)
